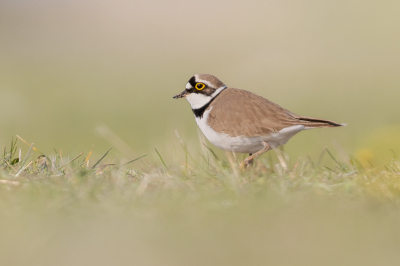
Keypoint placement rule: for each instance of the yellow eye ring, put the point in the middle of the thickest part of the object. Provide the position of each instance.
(200, 86)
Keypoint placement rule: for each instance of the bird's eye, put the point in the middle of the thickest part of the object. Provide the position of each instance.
(200, 86)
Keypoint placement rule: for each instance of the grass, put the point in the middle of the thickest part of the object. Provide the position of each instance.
(56, 210)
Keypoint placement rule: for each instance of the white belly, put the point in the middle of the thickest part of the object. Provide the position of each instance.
(245, 144)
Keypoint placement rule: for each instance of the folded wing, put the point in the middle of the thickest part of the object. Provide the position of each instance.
(242, 113)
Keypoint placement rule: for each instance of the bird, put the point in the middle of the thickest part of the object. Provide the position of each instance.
(240, 121)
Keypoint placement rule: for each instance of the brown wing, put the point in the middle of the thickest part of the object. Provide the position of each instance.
(242, 113)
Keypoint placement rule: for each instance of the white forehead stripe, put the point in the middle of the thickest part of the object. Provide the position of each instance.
(188, 86)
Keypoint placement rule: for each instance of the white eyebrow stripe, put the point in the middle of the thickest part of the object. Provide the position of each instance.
(205, 82)
(218, 91)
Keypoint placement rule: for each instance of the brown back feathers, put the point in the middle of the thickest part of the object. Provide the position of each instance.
(242, 113)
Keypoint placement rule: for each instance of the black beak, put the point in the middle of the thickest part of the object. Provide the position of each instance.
(180, 95)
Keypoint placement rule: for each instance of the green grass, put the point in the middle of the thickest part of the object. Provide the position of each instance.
(203, 210)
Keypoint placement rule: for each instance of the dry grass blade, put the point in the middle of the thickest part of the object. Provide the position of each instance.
(102, 167)
(27, 143)
(28, 154)
(279, 155)
(233, 165)
(79, 155)
(9, 182)
(90, 154)
(23, 169)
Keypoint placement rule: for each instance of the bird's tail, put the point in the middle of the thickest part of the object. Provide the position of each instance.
(310, 122)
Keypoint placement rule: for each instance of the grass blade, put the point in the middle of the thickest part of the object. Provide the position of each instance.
(23, 168)
(90, 153)
(101, 159)
(134, 160)
(343, 169)
(79, 155)
(26, 157)
(212, 152)
(24, 141)
(159, 155)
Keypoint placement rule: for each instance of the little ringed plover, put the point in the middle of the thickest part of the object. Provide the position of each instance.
(241, 121)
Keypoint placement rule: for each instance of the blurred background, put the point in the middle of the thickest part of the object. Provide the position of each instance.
(74, 74)
(78, 73)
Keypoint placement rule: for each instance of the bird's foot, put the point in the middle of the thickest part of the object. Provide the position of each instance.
(248, 162)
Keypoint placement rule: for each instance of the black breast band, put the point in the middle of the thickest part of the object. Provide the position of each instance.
(200, 111)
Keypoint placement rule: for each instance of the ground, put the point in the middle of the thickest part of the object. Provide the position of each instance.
(60, 211)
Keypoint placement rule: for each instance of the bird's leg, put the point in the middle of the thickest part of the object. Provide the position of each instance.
(249, 160)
